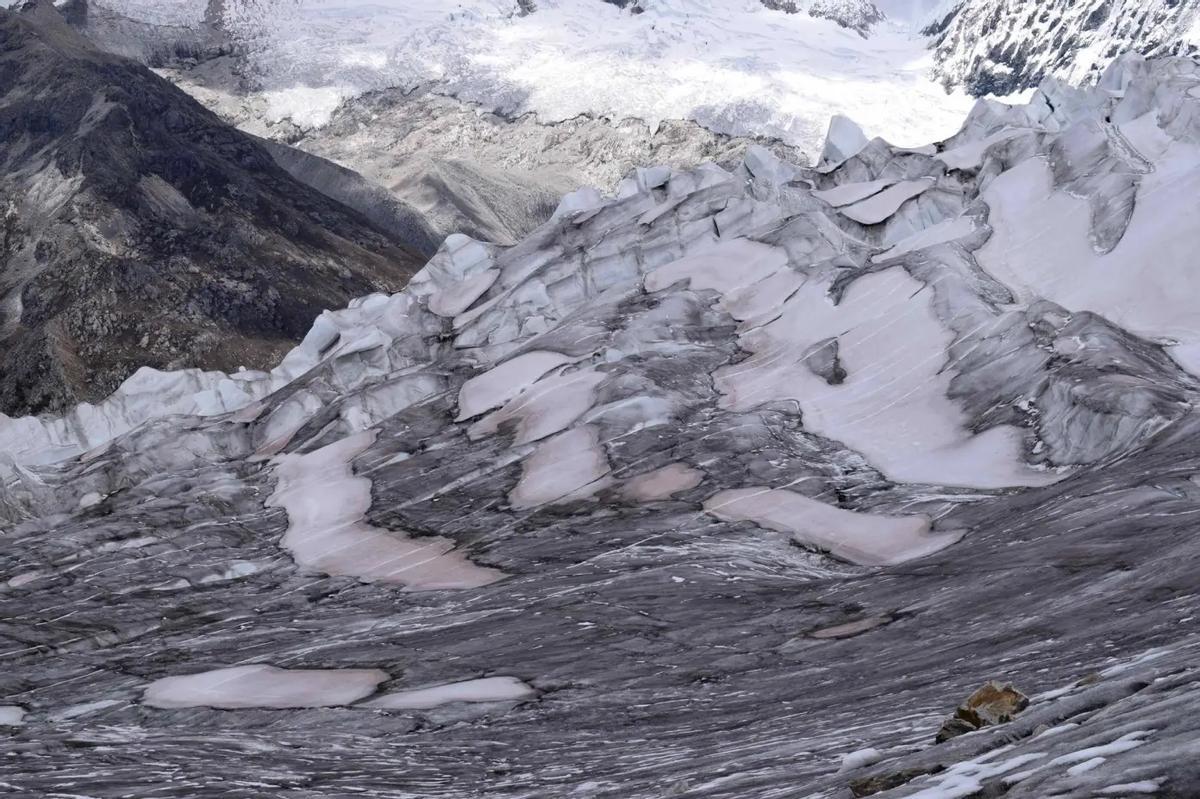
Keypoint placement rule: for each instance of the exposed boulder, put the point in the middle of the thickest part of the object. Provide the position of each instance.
(992, 704)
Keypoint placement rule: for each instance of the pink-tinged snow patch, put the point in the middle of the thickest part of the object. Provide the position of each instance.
(948, 230)
(264, 686)
(1042, 246)
(662, 483)
(862, 538)
(725, 267)
(850, 193)
(326, 502)
(549, 406)
(488, 689)
(498, 385)
(570, 466)
(893, 405)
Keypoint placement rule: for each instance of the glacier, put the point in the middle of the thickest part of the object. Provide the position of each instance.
(738, 68)
(703, 488)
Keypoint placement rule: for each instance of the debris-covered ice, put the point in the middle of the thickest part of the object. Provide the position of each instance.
(708, 462)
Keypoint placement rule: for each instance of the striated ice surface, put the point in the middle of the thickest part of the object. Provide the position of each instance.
(708, 462)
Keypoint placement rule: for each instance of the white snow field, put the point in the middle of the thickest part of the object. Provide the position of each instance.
(732, 65)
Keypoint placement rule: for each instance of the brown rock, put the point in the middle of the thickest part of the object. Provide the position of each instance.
(990, 705)
(878, 783)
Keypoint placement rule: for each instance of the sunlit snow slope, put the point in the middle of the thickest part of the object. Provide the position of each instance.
(732, 65)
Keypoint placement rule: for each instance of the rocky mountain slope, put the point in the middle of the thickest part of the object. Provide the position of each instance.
(139, 229)
(1004, 46)
(732, 484)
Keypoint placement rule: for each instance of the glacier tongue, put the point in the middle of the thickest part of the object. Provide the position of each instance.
(632, 471)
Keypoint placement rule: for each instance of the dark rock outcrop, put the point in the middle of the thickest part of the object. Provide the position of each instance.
(139, 229)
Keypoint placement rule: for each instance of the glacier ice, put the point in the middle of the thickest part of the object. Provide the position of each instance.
(707, 460)
(736, 68)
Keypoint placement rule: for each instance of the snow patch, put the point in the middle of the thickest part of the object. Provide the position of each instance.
(488, 689)
(860, 758)
(11, 716)
(893, 405)
(263, 686)
(662, 483)
(862, 538)
(326, 502)
(568, 467)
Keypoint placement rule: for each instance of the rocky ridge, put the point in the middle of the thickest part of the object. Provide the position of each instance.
(142, 230)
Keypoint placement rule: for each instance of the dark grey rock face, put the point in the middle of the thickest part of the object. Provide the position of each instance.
(606, 470)
(142, 230)
(155, 45)
(1003, 46)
